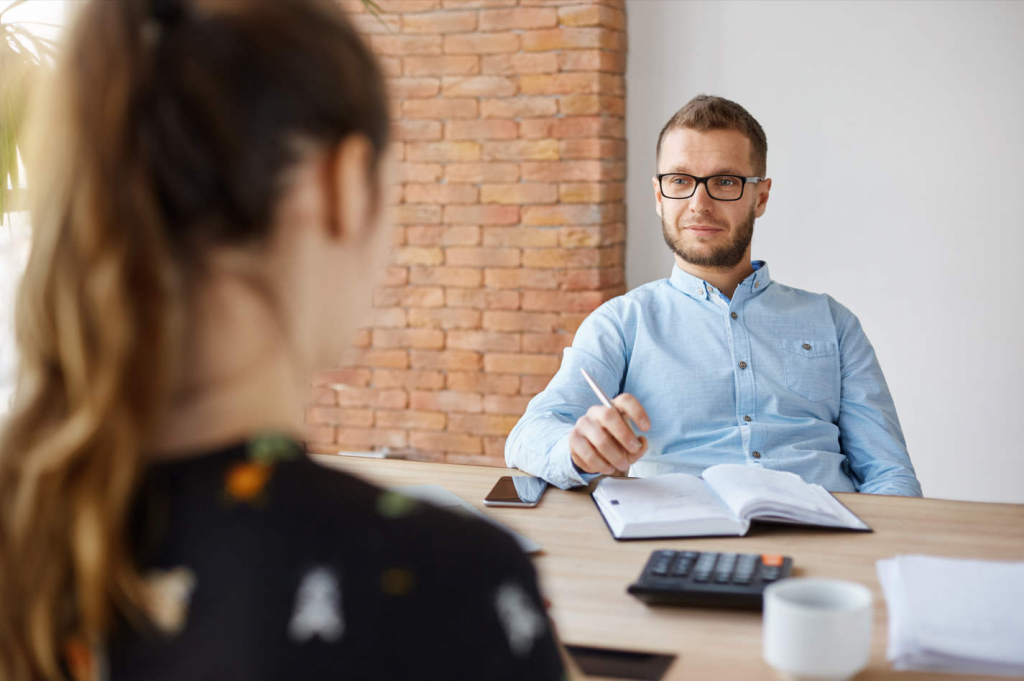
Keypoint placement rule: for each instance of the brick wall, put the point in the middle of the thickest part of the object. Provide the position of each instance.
(509, 227)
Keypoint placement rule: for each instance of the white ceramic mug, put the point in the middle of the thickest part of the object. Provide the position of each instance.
(817, 628)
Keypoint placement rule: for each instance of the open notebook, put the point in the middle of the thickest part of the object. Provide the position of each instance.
(723, 502)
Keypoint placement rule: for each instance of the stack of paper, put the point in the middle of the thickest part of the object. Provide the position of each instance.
(946, 614)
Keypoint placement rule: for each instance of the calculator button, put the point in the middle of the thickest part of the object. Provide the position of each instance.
(706, 561)
(690, 555)
(701, 576)
(741, 579)
(772, 560)
(722, 577)
(681, 567)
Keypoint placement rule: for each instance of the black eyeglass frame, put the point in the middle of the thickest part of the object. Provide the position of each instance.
(698, 181)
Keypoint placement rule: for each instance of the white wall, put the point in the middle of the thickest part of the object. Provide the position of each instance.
(896, 147)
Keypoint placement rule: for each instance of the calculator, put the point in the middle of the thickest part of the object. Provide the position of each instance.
(710, 579)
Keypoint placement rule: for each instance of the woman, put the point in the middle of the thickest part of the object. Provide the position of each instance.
(206, 229)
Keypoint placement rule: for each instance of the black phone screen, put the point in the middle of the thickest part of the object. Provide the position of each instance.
(519, 489)
(620, 664)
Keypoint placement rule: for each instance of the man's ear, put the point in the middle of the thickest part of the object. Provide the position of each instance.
(352, 191)
(763, 188)
(657, 196)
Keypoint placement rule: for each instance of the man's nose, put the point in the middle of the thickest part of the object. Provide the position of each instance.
(701, 202)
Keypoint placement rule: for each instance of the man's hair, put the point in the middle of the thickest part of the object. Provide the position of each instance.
(707, 112)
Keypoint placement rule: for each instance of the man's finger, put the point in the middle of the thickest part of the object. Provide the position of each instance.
(614, 424)
(605, 444)
(586, 457)
(632, 408)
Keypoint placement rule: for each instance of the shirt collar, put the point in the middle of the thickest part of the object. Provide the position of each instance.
(698, 288)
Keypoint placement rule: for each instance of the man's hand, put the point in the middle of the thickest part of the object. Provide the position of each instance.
(602, 442)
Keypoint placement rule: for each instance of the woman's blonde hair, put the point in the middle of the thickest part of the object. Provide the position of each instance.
(165, 129)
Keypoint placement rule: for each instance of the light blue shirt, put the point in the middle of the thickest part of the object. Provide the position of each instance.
(775, 377)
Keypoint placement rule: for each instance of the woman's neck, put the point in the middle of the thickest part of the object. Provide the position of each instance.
(237, 378)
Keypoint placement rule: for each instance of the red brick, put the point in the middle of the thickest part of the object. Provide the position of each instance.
(333, 416)
(521, 150)
(409, 419)
(448, 65)
(446, 276)
(520, 107)
(371, 397)
(484, 341)
(402, 6)
(408, 338)
(480, 215)
(445, 318)
(573, 171)
(482, 299)
(573, 214)
(426, 296)
(323, 397)
(431, 235)
(414, 87)
(388, 318)
(520, 237)
(320, 434)
(590, 105)
(482, 424)
(368, 24)
(536, 128)
(573, 39)
(440, 108)
(479, 43)
(532, 385)
(453, 442)
(362, 339)
(412, 214)
(570, 301)
(572, 257)
(479, 382)
(417, 130)
(519, 18)
(335, 377)
(617, 4)
(439, 22)
(447, 400)
(395, 276)
(520, 364)
(568, 83)
(418, 172)
(482, 257)
(476, 4)
(392, 68)
(481, 172)
(520, 278)
(406, 45)
(443, 152)
(592, 148)
(592, 60)
(481, 130)
(546, 342)
(519, 193)
(591, 192)
(382, 359)
(592, 15)
(519, 63)
(418, 255)
(371, 437)
(588, 126)
(592, 236)
(494, 448)
(441, 193)
(411, 380)
(398, 235)
(478, 86)
(584, 280)
(446, 360)
(495, 320)
(506, 404)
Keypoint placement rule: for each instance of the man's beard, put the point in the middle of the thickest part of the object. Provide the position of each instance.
(725, 256)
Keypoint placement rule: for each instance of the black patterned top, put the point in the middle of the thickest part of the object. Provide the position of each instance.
(261, 564)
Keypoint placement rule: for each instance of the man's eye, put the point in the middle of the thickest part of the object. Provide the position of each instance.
(680, 180)
(726, 182)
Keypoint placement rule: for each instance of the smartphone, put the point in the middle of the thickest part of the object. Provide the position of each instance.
(620, 664)
(517, 490)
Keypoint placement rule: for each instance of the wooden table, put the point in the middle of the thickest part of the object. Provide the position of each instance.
(584, 572)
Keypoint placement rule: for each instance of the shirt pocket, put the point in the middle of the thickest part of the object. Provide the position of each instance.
(811, 368)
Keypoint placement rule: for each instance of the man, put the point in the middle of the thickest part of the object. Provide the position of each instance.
(717, 363)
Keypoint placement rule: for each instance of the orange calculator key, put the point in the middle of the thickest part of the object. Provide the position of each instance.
(771, 560)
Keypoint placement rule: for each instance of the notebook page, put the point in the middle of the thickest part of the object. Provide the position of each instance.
(747, 490)
(666, 498)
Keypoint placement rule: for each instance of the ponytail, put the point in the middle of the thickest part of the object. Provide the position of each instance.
(161, 131)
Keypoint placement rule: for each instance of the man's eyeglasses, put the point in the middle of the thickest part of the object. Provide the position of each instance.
(719, 187)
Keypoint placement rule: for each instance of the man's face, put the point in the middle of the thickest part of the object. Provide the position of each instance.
(700, 230)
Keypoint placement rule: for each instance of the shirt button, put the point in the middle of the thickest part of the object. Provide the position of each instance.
(734, 315)
(806, 346)
(743, 365)
(756, 455)
(747, 419)
(757, 284)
